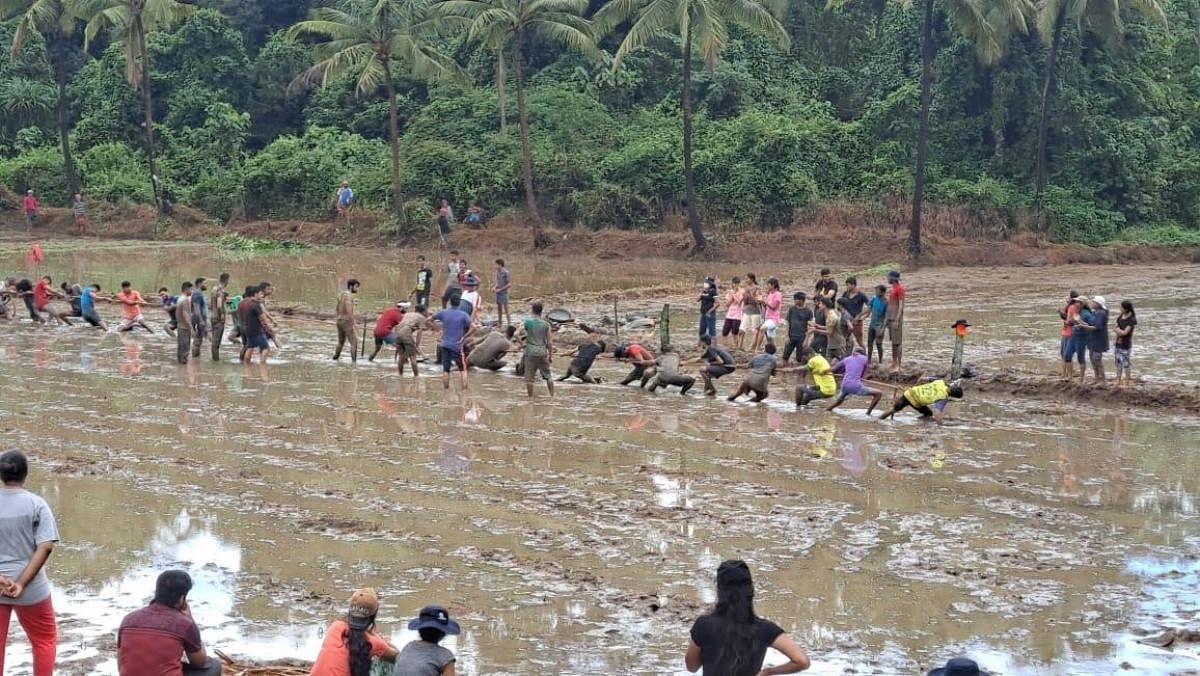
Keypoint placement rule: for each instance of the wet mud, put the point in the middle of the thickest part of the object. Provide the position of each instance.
(1038, 531)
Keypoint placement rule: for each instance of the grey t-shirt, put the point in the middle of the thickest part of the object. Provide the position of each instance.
(25, 523)
(421, 658)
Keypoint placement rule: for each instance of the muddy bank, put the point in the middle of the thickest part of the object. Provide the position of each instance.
(828, 235)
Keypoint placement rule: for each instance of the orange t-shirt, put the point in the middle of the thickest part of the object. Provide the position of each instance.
(130, 303)
(334, 659)
(1072, 313)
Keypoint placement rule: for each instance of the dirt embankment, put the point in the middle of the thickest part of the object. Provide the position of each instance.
(836, 233)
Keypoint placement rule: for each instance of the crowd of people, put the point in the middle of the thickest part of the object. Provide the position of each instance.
(1086, 338)
(163, 637)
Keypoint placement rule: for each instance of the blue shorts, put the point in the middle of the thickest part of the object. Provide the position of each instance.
(502, 298)
(256, 342)
(389, 339)
(861, 391)
(1065, 348)
(450, 357)
(1078, 348)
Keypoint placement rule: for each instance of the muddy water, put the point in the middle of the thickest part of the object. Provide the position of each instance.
(580, 536)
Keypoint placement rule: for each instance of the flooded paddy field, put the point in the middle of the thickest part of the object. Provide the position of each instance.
(580, 535)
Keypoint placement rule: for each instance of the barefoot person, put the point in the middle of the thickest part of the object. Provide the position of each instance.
(668, 372)
(183, 318)
(719, 364)
(218, 301)
(857, 307)
(735, 300)
(642, 360)
(408, 338)
(28, 533)
(254, 328)
(425, 656)
(895, 317)
(503, 283)
(488, 352)
(351, 642)
(539, 350)
(751, 312)
(762, 367)
(87, 306)
(824, 385)
(420, 292)
(853, 368)
(1123, 346)
(385, 325)
(798, 319)
(131, 309)
(345, 322)
(731, 640)
(152, 640)
(878, 305)
(929, 399)
(585, 356)
(456, 328)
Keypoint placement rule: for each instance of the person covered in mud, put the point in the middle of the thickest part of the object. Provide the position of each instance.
(929, 399)
(24, 289)
(762, 366)
(958, 666)
(539, 350)
(853, 368)
(668, 372)
(731, 640)
(895, 317)
(453, 285)
(640, 358)
(385, 326)
(824, 385)
(7, 291)
(28, 533)
(1123, 345)
(719, 363)
(185, 320)
(199, 315)
(503, 285)
(131, 309)
(169, 304)
(71, 294)
(488, 351)
(878, 307)
(585, 356)
(152, 640)
(456, 329)
(218, 301)
(345, 321)
(408, 338)
(352, 642)
(425, 656)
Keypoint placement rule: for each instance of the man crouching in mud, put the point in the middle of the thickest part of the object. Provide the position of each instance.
(929, 399)
(585, 356)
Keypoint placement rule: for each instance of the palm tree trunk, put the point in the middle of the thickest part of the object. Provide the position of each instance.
(1048, 84)
(500, 94)
(914, 228)
(393, 139)
(148, 104)
(64, 127)
(526, 152)
(689, 177)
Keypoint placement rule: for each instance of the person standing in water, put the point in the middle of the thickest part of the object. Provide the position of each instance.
(503, 282)
(798, 319)
(751, 312)
(131, 308)
(408, 338)
(1097, 337)
(708, 309)
(345, 322)
(217, 301)
(456, 328)
(539, 350)
(254, 327)
(385, 325)
(87, 306)
(453, 284)
(420, 293)
(895, 317)
(878, 305)
(735, 300)
(199, 316)
(1123, 346)
(28, 533)
(857, 308)
(731, 640)
(183, 320)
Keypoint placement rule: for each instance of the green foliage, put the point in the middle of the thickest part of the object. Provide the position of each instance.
(39, 169)
(1075, 218)
(115, 172)
(234, 243)
(1170, 235)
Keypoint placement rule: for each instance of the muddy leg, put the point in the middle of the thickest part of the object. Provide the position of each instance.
(759, 396)
(709, 389)
(687, 385)
(742, 389)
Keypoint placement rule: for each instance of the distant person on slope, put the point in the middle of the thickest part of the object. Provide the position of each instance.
(344, 198)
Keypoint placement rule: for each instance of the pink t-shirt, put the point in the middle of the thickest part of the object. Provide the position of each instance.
(772, 305)
(736, 300)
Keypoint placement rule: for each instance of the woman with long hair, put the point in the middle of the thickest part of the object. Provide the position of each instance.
(27, 536)
(351, 642)
(1123, 348)
(731, 640)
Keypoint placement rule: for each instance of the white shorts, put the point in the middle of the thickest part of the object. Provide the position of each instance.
(130, 323)
(750, 323)
(770, 327)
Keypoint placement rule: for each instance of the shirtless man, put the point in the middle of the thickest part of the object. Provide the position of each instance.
(345, 322)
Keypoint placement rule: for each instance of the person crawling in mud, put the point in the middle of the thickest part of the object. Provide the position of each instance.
(824, 386)
(762, 367)
(719, 364)
(585, 356)
(667, 372)
(642, 360)
(488, 351)
(929, 399)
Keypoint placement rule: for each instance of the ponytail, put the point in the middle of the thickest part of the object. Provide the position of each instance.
(359, 648)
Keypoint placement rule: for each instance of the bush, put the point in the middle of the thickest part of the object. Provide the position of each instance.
(1075, 218)
(39, 169)
(115, 172)
(1167, 234)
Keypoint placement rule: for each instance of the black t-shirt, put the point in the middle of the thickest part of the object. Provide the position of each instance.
(424, 280)
(586, 355)
(826, 288)
(711, 633)
(718, 355)
(708, 298)
(855, 303)
(1126, 342)
(252, 326)
(798, 319)
(24, 286)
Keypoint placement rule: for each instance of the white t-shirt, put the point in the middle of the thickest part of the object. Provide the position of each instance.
(471, 297)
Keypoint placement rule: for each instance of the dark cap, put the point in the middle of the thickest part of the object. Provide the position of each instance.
(892, 274)
(960, 322)
(435, 617)
(959, 666)
(733, 571)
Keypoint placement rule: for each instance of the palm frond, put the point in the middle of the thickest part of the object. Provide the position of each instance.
(578, 38)
(656, 19)
(756, 17)
(614, 13)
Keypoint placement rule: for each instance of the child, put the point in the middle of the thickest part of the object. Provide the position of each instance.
(425, 657)
(878, 323)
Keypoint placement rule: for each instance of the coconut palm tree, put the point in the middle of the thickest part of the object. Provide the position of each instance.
(56, 23)
(496, 24)
(128, 23)
(366, 40)
(702, 26)
(1099, 17)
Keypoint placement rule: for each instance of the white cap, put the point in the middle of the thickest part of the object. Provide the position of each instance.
(1099, 300)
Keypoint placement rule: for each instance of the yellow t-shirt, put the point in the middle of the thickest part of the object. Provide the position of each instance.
(819, 368)
(927, 394)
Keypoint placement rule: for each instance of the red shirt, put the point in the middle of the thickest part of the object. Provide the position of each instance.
(30, 202)
(388, 321)
(41, 294)
(151, 641)
(638, 353)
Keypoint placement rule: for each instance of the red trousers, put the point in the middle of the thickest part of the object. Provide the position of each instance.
(40, 629)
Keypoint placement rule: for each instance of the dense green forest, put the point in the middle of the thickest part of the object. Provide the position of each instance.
(1079, 116)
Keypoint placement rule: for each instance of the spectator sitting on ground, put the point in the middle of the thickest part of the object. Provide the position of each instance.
(352, 641)
(959, 666)
(425, 657)
(151, 640)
